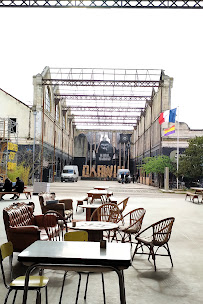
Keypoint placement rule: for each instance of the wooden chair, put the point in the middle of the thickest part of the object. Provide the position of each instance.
(35, 282)
(55, 225)
(134, 219)
(161, 233)
(79, 236)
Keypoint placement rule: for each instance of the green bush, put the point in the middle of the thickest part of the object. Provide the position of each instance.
(20, 171)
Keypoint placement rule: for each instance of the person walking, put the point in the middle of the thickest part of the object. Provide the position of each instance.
(19, 187)
(7, 187)
(122, 178)
(133, 178)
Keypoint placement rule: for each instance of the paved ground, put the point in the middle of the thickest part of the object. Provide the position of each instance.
(182, 284)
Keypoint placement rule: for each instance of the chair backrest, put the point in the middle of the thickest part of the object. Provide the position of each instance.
(107, 213)
(79, 236)
(68, 203)
(135, 218)
(122, 205)
(55, 225)
(6, 250)
(162, 231)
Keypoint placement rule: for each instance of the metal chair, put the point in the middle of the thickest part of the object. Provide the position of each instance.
(161, 233)
(35, 282)
(79, 236)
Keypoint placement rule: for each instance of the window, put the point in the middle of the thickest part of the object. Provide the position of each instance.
(57, 112)
(48, 99)
(12, 125)
(64, 121)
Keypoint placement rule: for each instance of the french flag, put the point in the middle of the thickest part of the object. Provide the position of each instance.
(167, 116)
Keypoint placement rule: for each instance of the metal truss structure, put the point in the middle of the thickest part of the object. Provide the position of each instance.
(94, 96)
(173, 4)
(8, 146)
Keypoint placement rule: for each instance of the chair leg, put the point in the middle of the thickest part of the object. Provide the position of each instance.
(87, 280)
(104, 296)
(76, 301)
(8, 293)
(14, 297)
(38, 298)
(46, 294)
(153, 256)
(64, 278)
(135, 251)
(169, 254)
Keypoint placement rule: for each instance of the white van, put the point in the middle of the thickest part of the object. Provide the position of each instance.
(124, 171)
(69, 173)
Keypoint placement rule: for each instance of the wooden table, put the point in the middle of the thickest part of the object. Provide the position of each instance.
(101, 187)
(94, 228)
(89, 209)
(197, 190)
(97, 194)
(69, 256)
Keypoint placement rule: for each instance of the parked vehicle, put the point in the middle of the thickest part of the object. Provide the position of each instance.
(69, 173)
(127, 177)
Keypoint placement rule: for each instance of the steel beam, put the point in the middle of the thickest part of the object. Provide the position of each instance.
(103, 83)
(174, 4)
(107, 117)
(101, 97)
(103, 109)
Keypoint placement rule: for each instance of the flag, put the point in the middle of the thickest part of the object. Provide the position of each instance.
(167, 116)
(169, 131)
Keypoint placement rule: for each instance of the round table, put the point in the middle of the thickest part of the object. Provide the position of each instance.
(94, 228)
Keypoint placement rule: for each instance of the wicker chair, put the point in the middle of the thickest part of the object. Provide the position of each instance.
(55, 225)
(108, 213)
(135, 219)
(122, 205)
(161, 233)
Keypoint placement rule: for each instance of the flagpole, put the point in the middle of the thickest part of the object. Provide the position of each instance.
(177, 143)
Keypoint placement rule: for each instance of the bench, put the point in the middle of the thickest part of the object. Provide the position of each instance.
(5, 192)
(192, 196)
(27, 193)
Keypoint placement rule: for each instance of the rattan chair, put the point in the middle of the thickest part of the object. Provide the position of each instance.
(123, 204)
(133, 223)
(35, 282)
(161, 233)
(107, 213)
(55, 225)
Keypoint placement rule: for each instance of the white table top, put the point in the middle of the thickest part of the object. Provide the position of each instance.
(93, 225)
(101, 187)
(84, 253)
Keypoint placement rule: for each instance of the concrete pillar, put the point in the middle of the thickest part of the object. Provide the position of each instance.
(166, 178)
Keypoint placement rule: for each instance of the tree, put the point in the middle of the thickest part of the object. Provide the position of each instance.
(157, 165)
(191, 163)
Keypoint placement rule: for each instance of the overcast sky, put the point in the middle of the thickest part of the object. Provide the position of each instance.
(165, 39)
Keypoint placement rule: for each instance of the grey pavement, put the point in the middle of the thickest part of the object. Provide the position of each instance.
(182, 284)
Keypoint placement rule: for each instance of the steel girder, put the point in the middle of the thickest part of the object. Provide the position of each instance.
(101, 97)
(103, 109)
(103, 83)
(103, 123)
(174, 4)
(107, 117)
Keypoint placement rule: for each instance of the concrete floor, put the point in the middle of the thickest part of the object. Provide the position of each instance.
(182, 284)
